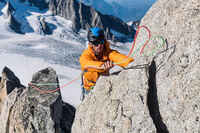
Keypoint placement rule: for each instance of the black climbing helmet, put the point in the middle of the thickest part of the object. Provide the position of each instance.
(96, 35)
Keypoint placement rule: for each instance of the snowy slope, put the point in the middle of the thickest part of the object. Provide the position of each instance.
(28, 53)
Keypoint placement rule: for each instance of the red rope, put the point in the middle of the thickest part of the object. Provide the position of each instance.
(135, 37)
(51, 91)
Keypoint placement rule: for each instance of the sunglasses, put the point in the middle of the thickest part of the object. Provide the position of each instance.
(98, 42)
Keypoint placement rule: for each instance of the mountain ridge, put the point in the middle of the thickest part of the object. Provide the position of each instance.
(85, 17)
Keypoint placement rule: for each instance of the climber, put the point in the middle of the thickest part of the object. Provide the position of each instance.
(98, 59)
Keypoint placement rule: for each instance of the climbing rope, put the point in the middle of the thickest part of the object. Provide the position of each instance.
(34, 85)
(161, 44)
(134, 43)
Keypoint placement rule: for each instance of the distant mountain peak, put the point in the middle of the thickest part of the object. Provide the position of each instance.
(8, 9)
(84, 17)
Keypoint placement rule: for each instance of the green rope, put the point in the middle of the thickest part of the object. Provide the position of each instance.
(41, 84)
(161, 44)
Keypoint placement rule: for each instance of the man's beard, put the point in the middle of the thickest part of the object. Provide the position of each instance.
(99, 55)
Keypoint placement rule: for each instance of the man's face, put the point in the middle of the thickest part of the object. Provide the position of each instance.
(98, 47)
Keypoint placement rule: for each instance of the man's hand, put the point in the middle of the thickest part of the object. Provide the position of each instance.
(107, 65)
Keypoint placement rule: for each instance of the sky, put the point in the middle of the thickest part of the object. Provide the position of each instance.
(127, 10)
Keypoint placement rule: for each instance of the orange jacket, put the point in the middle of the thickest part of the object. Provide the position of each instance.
(88, 58)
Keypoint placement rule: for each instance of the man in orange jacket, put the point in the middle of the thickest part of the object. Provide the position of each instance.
(98, 59)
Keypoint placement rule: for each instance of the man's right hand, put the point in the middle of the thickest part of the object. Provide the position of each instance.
(107, 65)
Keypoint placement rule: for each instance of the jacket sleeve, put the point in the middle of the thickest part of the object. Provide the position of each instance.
(119, 59)
(87, 63)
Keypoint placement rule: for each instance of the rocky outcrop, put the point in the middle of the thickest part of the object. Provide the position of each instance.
(116, 105)
(43, 27)
(8, 83)
(8, 10)
(14, 24)
(161, 96)
(10, 89)
(177, 62)
(134, 24)
(8, 13)
(84, 17)
(11, 80)
(32, 109)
